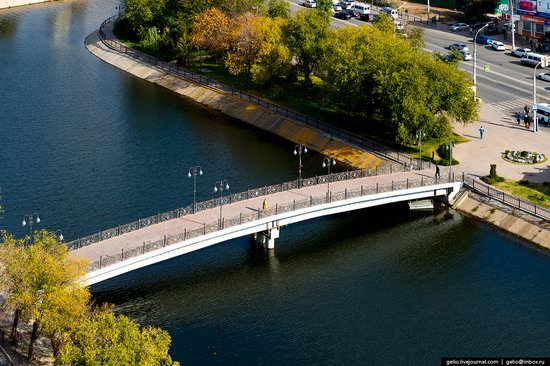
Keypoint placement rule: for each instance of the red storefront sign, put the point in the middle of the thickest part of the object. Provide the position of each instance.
(527, 18)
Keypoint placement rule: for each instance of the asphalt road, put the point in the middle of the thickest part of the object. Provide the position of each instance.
(507, 86)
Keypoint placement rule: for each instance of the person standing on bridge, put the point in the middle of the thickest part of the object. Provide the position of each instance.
(264, 205)
(437, 175)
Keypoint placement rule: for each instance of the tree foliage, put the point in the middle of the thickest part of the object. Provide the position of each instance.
(278, 8)
(108, 339)
(307, 34)
(211, 31)
(384, 78)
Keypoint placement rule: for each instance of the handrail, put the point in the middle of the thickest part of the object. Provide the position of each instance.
(295, 205)
(350, 137)
(236, 197)
(505, 198)
(10, 361)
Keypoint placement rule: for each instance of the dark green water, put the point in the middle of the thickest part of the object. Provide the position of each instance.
(88, 147)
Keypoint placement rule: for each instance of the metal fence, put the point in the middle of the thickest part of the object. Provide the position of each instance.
(5, 358)
(350, 137)
(236, 197)
(226, 222)
(509, 200)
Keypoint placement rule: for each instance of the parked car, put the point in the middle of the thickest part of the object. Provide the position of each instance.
(343, 15)
(337, 7)
(309, 4)
(365, 17)
(466, 55)
(459, 47)
(484, 39)
(520, 52)
(498, 46)
(545, 76)
(459, 27)
(353, 13)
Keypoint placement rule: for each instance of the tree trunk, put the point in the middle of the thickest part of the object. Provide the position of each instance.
(34, 336)
(14, 336)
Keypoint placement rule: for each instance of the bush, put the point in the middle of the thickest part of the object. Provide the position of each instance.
(493, 177)
(523, 182)
(445, 154)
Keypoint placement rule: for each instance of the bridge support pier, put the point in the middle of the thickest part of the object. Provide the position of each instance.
(267, 238)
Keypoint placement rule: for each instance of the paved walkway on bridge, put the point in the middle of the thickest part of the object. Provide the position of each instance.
(114, 246)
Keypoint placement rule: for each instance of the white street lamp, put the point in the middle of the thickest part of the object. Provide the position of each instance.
(419, 135)
(475, 59)
(30, 220)
(535, 118)
(298, 149)
(193, 172)
(221, 185)
(327, 163)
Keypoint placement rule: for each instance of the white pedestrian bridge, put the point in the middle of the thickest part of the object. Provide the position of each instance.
(164, 236)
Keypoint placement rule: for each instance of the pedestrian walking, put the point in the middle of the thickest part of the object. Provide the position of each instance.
(437, 175)
(518, 117)
(526, 109)
(481, 130)
(264, 204)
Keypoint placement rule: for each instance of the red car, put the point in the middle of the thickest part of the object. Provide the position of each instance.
(526, 5)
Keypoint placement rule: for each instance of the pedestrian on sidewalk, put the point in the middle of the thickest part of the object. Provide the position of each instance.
(481, 130)
(526, 109)
(437, 175)
(518, 117)
(264, 204)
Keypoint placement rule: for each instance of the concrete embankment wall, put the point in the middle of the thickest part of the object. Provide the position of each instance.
(6, 4)
(506, 218)
(238, 108)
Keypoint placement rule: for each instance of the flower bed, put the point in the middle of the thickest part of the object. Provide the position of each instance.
(524, 157)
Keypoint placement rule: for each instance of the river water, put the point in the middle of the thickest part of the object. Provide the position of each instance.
(89, 147)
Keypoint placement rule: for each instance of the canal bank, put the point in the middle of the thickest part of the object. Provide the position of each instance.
(237, 108)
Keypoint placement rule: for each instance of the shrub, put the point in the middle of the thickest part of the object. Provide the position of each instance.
(523, 182)
(493, 177)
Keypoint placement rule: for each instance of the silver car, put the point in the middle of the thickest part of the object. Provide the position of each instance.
(545, 76)
(457, 27)
(519, 52)
(466, 55)
(459, 47)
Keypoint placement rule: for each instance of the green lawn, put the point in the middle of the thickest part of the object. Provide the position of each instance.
(538, 193)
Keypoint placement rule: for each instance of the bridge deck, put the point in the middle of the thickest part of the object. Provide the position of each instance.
(114, 245)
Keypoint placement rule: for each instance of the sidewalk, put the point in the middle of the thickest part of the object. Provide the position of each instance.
(6, 4)
(502, 133)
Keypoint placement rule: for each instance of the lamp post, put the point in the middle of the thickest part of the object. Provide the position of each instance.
(475, 59)
(221, 185)
(298, 149)
(30, 220)
(535, 118)
(513, 25)
(193, 172)
(419, 135)
(449, 146)
(327, 162)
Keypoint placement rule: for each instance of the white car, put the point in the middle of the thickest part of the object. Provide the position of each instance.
(466, 55)
(337, 7)
(498, 46)
(545, 76)
(457, 27)
(309, 4)
(459, 47)
(520, 52)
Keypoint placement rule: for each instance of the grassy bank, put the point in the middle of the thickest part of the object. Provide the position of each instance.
(538, 193)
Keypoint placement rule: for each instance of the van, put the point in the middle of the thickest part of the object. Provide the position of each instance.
(361, 8)
(390, 11)
(543, 113)
(533, 59)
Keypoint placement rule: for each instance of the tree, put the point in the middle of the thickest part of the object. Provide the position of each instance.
(273, 58)
(211, 31)
(384, 23)
(307, 35)
(13, 278)
(54, 295)
(279, 8)
(324, 6)
(108, 339)
(143, 14)
(245, 44)
(381, 77)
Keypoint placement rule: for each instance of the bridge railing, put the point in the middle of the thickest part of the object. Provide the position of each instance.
(476, 185)
(350, 137)
(235, 197)
(226, 222)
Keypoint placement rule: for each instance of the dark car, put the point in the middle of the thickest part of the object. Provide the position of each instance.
(343, 15)
(484, 39)
(353, 13)
(365, 17)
